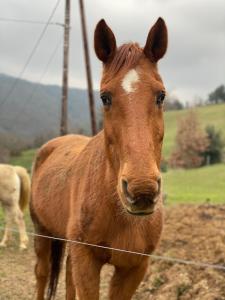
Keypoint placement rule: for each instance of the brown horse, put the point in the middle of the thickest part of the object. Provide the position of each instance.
(105, 190)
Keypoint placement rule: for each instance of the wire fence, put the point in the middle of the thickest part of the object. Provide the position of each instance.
(152, 256)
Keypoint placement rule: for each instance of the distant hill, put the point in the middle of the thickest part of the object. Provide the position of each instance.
(33, 110)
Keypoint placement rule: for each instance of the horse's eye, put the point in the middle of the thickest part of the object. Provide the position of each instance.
(106, 99)
(160, 98)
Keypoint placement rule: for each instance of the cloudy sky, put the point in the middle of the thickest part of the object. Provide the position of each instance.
(194, 64)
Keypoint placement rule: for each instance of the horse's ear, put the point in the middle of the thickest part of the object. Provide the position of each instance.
(157, 41)
(104, 42)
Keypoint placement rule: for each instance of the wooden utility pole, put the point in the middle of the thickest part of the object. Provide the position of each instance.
(64, 112)
(88, 69)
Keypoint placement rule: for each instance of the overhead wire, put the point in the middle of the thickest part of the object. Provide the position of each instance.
(16, 81)
(29, 21)
(37, 85)
(35, 89)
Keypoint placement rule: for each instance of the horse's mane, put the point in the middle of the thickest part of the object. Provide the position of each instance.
(127, 56)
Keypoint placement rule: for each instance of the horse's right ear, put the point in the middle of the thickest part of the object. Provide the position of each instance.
(104, 42)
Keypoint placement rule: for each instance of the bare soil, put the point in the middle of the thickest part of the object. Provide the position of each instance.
(191, 232)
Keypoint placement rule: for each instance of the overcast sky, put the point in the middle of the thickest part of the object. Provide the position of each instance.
(193, 66)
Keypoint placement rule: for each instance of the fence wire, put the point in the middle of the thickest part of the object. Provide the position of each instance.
(152, 256)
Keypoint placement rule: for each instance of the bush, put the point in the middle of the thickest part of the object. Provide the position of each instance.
(163, 165)
(173, 103)
(214, 151)
(191, 143)
(218, 95)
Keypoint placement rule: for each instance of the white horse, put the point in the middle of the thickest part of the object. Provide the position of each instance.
(14, 197)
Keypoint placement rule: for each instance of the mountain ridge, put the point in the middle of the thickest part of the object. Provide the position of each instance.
(33, 109)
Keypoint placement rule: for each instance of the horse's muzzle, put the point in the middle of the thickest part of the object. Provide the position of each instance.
(141, 202)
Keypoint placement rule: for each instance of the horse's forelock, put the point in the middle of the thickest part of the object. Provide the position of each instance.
(127, 57)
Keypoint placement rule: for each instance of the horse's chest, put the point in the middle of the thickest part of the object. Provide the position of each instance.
(131, 244)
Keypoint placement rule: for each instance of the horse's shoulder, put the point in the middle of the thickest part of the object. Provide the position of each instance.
(61, 144)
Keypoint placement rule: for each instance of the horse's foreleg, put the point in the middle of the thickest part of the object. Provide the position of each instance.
(5, 238)
(42, 247)
(125, 281)
(86, 272)
(70, 289)
(19, 219)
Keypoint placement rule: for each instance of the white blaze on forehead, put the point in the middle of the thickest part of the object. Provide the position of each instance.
(129, 81)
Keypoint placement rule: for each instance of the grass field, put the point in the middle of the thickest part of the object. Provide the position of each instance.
(196, 185)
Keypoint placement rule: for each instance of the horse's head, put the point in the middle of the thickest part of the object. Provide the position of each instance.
(132, 93)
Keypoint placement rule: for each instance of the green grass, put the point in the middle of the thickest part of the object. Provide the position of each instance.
(195, 185)
(208, 115)
(25, 159)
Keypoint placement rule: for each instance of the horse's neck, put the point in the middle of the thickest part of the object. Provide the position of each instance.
(101, 175)
(98, 162)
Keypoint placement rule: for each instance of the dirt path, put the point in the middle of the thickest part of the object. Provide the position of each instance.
(191, 233)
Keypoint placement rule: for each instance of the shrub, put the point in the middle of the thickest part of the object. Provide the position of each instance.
(218, 95)
(191, 143)
(214, 152)
(163, 165)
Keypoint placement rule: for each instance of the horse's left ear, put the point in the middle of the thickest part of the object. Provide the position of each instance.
(157, 41)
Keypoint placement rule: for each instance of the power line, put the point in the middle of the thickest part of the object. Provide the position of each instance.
(15, 83)
(22, 109)
(30, 97)
(29, 21)
(153, 256)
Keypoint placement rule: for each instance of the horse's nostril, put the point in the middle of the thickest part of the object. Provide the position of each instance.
(126, 193)
(124, 186)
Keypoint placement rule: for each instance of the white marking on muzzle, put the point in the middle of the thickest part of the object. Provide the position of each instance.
(129, 80)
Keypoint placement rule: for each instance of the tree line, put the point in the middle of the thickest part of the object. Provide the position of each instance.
(215, 97)
(218, 95)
